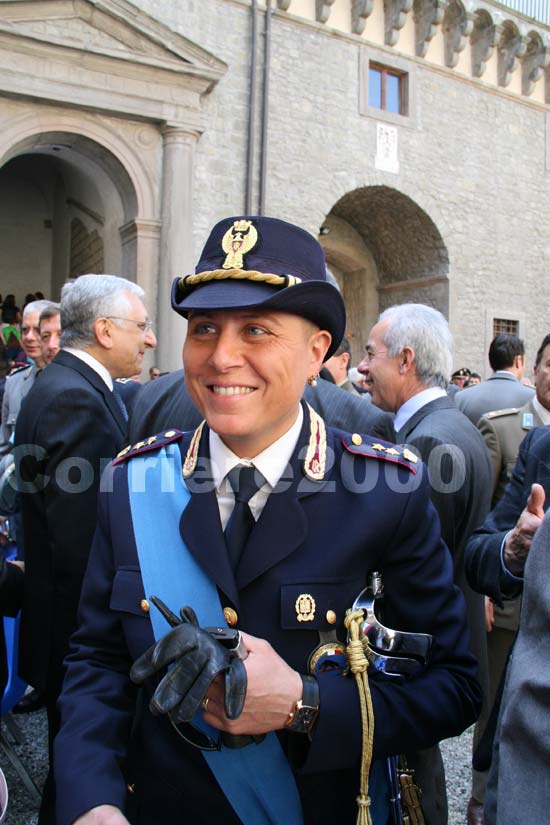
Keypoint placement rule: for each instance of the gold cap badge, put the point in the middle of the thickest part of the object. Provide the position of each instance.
(239, 239)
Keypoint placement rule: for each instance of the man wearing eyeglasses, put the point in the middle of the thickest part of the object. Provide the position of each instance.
(70, 426)
(407, 367)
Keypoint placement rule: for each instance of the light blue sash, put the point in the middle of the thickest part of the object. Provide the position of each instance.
(257, 780)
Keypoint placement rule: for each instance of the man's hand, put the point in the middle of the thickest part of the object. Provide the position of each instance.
(489, 614)
(197, 659)
(273, 689)
(102, 815)
(518, 541)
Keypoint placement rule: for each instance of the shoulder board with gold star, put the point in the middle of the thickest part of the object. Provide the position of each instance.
(369, 447)
(500, 413)
(154, 442)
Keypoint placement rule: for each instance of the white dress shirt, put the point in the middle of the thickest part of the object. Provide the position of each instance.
(271, 463)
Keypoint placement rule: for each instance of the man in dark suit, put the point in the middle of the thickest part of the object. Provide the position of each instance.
(407, 368)
(497, 552)
(165, 403)
(280, 562)
(70, 425)
(503, 431)
(518, 783)
(504, 388)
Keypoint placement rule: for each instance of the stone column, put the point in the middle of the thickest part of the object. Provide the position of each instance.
(176, 239)
(140, 261)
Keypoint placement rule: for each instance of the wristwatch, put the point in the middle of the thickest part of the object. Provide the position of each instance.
(304, 714)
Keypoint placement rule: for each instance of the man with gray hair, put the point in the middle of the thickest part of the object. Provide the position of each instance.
(71, 425)
(407, 367)
(20, 381)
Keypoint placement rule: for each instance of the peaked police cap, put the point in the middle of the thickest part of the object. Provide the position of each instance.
(263, 262)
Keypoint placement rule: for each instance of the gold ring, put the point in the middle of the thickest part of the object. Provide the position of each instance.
(204, 703)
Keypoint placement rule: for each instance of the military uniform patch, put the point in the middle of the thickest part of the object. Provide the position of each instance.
(328, 658)
(386, 452)
(154, 442)
(500, 413)
(193, 452)
(316, 454)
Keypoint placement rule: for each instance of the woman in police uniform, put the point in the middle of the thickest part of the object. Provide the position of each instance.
(328, 509)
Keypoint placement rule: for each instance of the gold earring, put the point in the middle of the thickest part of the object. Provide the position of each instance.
(312, 380)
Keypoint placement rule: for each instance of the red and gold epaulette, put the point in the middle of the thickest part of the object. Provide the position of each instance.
(367, 447)
(190, 461)
(315, 461)
(154, 442)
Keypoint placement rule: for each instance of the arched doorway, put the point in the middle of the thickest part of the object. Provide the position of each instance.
(65, 200)
(384, 249)
(108, 105)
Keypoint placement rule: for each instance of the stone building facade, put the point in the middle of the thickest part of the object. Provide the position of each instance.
(128, 129)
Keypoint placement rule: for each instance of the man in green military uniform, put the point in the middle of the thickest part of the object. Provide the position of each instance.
(504, 430)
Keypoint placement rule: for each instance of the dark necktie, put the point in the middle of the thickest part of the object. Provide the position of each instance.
(245, 482)
(120, 403)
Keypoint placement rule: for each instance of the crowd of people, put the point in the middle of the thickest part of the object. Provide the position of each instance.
(263, 588)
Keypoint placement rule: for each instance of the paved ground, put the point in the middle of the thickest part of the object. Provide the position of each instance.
(22, 811)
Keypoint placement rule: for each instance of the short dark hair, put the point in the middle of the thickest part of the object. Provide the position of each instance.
(344, 346)
(504, 349)
(545, 343)
(50, 311)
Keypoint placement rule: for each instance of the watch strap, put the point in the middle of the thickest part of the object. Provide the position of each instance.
(304, 714)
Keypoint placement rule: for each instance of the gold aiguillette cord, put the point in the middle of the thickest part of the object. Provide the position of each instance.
(358, 664)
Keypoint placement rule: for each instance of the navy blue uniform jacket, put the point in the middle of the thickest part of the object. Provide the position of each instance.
(369, 512)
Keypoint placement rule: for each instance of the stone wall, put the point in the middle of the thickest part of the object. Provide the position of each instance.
(472, 158)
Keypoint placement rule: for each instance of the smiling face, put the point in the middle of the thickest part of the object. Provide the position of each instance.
(30, 336)
(129, 337)
(246, 371)
(382, 372)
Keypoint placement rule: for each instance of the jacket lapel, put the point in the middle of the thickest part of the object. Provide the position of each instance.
(282, 526)
(410, 425)
(279, 532)
(200, 525)
(67, 359)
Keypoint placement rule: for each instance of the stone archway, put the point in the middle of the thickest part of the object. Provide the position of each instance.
(384, 249)
(66, 200)
(110, 103)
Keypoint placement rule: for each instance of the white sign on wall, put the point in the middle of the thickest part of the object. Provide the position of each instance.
(387, 154)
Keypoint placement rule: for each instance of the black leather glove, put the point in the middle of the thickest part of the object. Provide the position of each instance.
(197, 659)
